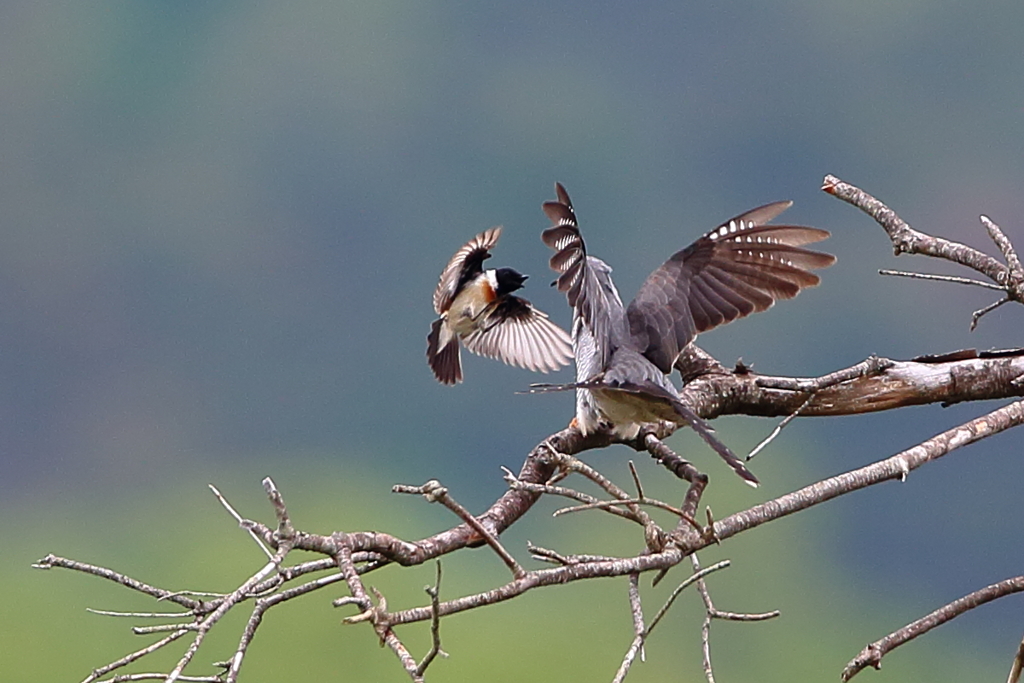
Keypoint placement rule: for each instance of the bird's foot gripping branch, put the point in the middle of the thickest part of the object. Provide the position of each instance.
(667, 533)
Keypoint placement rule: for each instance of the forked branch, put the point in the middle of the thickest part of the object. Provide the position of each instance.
(710, 390)
(1008, 276)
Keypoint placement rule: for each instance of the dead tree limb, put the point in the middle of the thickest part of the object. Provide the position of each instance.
(873, 653)
(710, 390)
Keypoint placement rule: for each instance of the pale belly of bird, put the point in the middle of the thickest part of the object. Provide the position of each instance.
(625, 412)
(468, 313)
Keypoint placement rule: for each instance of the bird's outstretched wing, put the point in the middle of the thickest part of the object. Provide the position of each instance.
(464, 265)
(739, 268)
(585, 280)
(518, 334)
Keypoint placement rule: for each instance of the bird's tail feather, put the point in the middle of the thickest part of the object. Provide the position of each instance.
(703, 429)
(707, 432)
(444, 360)
(547, 388)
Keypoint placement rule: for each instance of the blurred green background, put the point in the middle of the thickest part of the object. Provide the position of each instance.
(222, 225)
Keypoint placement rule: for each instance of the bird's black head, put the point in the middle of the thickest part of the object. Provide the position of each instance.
(509, 280)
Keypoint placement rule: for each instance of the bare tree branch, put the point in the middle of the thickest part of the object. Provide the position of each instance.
(435, 493)
(941, 278)
(636, 608)
(1018, 664)
(51, 561)
(435, 624)
(897, 467)
(906, 240)
(872, 385)
(710, 390)
(711, 613)
(873, 653)
(643, 632)
(356, 553)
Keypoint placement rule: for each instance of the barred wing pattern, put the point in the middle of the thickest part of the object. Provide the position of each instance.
(741, 267)
(585, 280)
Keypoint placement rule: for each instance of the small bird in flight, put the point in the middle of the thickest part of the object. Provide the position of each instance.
(625, 354)
(477, 307)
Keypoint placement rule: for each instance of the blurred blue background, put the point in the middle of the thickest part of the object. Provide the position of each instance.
(223, 222)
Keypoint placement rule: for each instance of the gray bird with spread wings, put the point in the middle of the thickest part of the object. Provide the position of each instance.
(625, 354)
(477, 307)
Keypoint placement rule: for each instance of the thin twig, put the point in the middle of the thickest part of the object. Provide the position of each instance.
(517, 485)
(234, 665)
(434, 492)
(239, 594)
(140, 615)
(976, 316)
(873, 653)
(873, 365)
(552, 557)
(51, 561)
(284, 522)
(778, 429)
(259, 609)
(941, 278)
(122, 678)
(569, 463)
(636, 480)
(683, 469)
(711, 613)
(435, 624)
(241, 521)
(162, 628)
(637, 646)
(689, 581)
(574, 464)
(606, 504)
(1006, 248)
(641, 632)
(134, 656)
(1018, 665)
(377, 614)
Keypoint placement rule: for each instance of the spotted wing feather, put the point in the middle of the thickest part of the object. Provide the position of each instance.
(741, 267)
